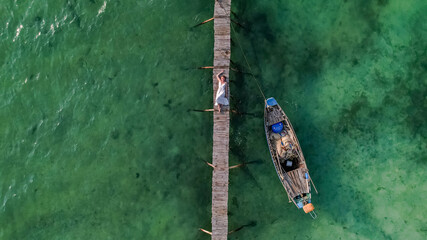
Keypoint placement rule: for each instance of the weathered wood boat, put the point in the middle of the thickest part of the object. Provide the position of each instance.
(287, 156)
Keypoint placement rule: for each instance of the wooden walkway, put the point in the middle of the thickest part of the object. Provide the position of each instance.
(221, 123)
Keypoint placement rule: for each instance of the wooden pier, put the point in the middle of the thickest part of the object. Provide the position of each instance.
(221, 123)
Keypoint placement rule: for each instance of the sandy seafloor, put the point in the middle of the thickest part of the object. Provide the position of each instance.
(97, 140)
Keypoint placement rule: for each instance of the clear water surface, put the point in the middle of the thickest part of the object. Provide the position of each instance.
(98, 140)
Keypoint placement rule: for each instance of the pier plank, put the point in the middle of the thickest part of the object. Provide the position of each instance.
(221, 128)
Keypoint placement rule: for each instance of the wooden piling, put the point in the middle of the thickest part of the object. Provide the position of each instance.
(210, 19)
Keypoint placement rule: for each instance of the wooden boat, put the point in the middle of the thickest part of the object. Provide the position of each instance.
(287, 156)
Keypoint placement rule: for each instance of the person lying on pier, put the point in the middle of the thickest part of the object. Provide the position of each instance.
(221, 94)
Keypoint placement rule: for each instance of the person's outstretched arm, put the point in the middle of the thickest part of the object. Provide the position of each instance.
(217, 76)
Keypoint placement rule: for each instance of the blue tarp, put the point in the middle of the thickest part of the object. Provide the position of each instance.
(271, 102)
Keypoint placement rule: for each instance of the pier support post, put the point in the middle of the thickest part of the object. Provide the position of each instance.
(210, 19)
(205, 231)
(210, 164)
(236, 166)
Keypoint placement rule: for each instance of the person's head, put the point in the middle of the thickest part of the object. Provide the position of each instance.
(223, 78)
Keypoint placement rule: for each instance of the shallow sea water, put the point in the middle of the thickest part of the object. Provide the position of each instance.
(98, 141)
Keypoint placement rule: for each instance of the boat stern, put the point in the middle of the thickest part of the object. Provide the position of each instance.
(306, 205)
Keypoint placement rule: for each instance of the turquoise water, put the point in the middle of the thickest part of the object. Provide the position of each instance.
(98, 141)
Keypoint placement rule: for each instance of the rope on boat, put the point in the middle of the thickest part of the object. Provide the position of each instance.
(244, 55)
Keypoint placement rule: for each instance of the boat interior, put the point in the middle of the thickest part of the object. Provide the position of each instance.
(274, 115)
(289, 164)
(285, 148)
(303, 199)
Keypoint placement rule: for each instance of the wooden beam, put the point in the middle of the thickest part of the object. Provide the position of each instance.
(210, 19)
(205, 231)
(236, 166)
(210, 164)
(314, 186)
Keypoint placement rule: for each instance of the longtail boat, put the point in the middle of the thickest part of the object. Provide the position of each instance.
(287, 156)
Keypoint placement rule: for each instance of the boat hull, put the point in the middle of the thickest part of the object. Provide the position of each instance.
(286, 155)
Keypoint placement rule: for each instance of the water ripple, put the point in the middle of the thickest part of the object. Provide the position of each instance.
(102, 9)
(18, 31)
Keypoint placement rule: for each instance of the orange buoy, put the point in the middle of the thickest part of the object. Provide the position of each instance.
(308, 208)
